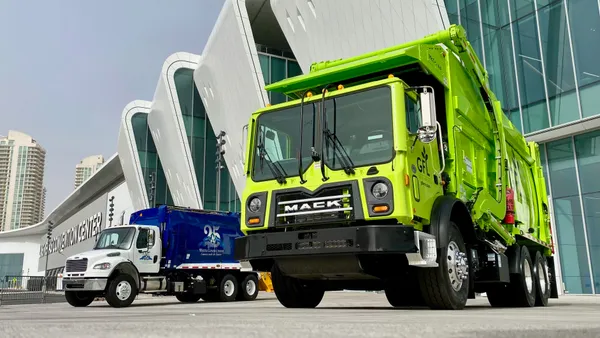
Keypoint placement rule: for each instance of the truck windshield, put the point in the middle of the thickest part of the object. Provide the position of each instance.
(358, 127)
(115, 238)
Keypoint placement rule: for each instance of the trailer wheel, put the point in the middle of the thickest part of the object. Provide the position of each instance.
(228, 289)
(447, 286)
(248, 288)
(121, 291)
(295, 293)
(542, 280)
(188, 297)
(79, 298)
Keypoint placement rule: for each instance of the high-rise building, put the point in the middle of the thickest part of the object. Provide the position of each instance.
(86, 168)
(541, 60)
(22, 191)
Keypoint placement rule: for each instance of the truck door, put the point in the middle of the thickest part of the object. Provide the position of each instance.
(423, 161)
(147, 250)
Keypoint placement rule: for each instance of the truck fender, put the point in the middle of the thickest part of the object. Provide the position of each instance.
(126, 268)
(446, 209)
(513, 253)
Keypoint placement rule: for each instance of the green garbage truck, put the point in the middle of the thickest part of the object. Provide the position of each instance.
(396, 171)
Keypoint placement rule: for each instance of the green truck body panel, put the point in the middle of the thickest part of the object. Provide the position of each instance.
(483, 155)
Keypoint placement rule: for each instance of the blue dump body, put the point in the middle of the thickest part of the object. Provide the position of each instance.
(192, 236)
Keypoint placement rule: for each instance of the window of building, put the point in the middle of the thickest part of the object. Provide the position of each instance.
(202, 141)
(154, 176)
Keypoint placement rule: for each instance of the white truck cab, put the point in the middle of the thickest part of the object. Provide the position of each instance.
(130, 251)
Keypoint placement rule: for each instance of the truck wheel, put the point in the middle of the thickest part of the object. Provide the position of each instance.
(188, 297)
(404, 291)
(521, 292)
(295, 293)
(228, 289)
(121, 291)
(447, 286)
(542, 280)
(248, 288)
(78, 298)
(211, 295)
(523, 284)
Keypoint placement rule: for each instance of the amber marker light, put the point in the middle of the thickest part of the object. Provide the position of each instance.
(381, 208)
(254, 220)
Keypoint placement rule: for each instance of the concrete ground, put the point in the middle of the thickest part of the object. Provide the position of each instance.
(341, 314)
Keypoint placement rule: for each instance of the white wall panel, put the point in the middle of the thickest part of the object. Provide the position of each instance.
(230, 82)
(320, 30)
(168, 131)
(128, 154)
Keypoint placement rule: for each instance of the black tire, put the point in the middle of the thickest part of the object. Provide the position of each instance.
(295, 293)
(437, 283)
(79, 298)
(524, 294)
(542, 280)
(122, 290)
(517, 293)
(248, 289)
(228, 288)
(404, 291)
(188, 297)
(211, 295)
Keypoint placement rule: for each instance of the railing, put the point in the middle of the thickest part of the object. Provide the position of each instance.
(30, 290)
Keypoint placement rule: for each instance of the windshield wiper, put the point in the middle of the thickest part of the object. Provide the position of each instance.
(347, 163)
(302, 181)
(278, 174)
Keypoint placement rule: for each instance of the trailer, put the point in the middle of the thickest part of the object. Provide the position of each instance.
(166, 251)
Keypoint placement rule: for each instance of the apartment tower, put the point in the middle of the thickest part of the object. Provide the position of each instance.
(86, 168)
(22, 192)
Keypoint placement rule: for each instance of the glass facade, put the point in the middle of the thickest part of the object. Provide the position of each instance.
(540, 56)
(276, 68)
(203, 146)
(154, 175)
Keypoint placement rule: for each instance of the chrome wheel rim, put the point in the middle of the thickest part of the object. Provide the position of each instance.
(228, 288)
(123, 290)
(528, 276)
(250, 287)
(457, 266)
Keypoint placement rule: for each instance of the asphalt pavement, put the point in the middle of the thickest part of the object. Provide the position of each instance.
(341, 314)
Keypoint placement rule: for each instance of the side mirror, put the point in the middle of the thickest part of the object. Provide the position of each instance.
(428, 128)
(244, 140)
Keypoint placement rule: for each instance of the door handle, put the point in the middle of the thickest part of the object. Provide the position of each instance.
(155, 258)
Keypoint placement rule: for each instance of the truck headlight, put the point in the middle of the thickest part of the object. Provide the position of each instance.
(102, 266)
(254, 204)
(379, 190)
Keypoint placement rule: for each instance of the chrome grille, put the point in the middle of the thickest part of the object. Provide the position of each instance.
(76, 265)
(331, 204)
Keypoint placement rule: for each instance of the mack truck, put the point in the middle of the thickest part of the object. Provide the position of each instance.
(164, 250)
(396, 171)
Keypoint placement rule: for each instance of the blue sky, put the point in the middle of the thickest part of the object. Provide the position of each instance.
(68, 68)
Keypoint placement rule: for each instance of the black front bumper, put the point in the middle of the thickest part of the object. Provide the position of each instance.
(389, 239)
